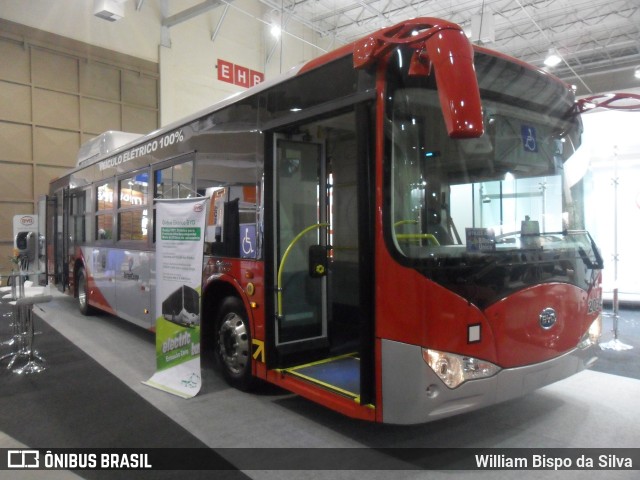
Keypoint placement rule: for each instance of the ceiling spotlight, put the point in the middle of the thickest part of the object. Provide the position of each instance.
(274, 22)
(276, 31)
(636, 72)
(553, 58)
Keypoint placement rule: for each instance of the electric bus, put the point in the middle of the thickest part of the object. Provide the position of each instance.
(395, 230)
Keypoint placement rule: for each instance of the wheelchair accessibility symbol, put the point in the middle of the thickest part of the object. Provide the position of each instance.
(529, 141)
(247, 241)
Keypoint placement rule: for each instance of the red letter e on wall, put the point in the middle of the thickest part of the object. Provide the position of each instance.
(225, 71)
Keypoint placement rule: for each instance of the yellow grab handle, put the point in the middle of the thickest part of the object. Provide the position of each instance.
(284, 259)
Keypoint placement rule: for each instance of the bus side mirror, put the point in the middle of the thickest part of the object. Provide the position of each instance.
(451, 56)
(443, 47)
(318, 261)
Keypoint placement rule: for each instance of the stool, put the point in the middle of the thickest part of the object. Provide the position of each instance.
(9, 294)
(15, 334)
(24, 314)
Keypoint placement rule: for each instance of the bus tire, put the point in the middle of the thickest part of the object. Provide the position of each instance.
(83, 295)
(233, 344)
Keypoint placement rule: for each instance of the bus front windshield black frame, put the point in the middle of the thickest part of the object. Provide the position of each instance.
(488, 216)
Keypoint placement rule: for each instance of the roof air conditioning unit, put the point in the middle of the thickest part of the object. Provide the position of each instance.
(111, 10)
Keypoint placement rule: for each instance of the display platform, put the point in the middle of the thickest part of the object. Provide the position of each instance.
(91, 395)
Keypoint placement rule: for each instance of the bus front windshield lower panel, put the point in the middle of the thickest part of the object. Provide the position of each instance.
(489, 216)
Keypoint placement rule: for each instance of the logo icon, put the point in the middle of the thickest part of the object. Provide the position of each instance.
(529, 138)
(548, 318)
(23, 459)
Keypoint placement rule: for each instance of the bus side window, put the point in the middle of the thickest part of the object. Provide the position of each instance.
(175, 181)
(104, 211)
(232, 228)
(229, 246)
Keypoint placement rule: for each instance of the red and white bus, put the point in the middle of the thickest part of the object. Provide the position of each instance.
(395, 230)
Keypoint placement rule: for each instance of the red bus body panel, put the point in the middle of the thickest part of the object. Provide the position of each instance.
(515, 321)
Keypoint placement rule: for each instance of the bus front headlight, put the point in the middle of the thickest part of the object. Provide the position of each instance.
(454, 369)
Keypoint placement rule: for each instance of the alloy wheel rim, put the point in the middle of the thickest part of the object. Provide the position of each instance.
(234, 344)
(82, 294)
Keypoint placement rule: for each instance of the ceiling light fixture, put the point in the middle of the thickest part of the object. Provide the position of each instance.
(110, 10)
(274, 22)
(553, 58)
(636, 72)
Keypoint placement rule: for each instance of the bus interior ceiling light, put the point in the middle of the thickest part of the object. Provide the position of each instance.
(636, 72)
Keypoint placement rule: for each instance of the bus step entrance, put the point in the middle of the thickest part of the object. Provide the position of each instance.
(338, 374)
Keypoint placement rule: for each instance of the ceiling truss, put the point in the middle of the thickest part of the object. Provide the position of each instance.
(591, 36)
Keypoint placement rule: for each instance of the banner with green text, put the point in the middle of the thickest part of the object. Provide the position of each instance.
(179, 231)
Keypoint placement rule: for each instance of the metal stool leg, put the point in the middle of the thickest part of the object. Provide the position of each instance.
(21, 337)
(35, 362)
(17, 340)
(15, 334)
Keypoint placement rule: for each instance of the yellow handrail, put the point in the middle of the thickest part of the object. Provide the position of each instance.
(414, 236)
(284, 259)
(405, 222)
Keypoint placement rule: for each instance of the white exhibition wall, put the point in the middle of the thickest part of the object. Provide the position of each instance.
(188, 68)
(137, 34)
(611, 144)
(188, 74)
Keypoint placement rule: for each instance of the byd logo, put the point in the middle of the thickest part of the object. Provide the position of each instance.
(26, 221)
(198, 207)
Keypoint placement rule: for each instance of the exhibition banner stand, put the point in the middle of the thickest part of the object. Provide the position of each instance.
(179, 231)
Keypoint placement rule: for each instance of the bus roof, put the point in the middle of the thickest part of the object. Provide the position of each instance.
(142, 138)
(299, 69)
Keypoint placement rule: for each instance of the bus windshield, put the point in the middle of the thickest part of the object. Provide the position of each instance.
(486, 216)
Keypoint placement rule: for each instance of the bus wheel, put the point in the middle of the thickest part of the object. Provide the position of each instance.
(233, 344)
(83, 299)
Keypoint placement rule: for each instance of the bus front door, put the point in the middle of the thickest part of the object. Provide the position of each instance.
(61, 238)
(301, 246)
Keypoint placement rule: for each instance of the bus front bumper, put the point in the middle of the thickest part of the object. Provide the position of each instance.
(413, 393)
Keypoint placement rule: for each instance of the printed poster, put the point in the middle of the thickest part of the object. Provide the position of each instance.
(180, 226)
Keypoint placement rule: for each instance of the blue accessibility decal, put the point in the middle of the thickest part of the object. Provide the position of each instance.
(529, 140)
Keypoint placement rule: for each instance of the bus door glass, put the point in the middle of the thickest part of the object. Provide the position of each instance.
(301, 241)
(50, 237)
(62, 239)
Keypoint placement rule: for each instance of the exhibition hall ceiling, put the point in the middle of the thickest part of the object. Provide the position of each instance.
(594, 39)
(591, 36)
